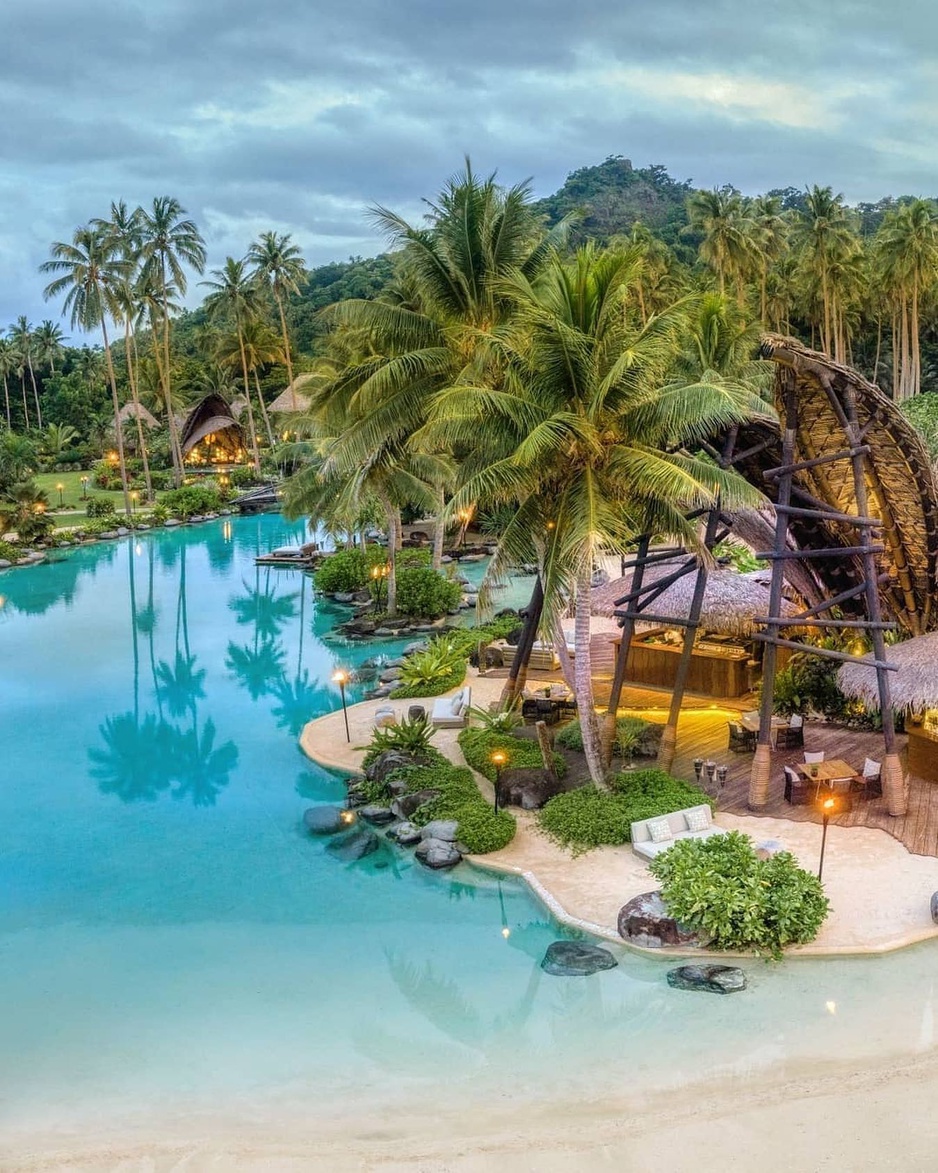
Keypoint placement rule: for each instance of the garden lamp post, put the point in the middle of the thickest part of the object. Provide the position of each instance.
(698, 769)
(498, 759)
(379, 574)
(134, 497)
(340, 677)
(61, 489)
(464, 516)
(84, 488)
(828, 808)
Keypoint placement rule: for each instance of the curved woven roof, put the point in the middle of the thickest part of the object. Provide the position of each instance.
(209, 416)
(914, 684)
(900, 482)
(291, 398)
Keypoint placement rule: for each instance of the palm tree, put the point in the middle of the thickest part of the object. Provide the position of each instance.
(56, 438)
(589, 440)
(278, 263)
(907, 244)
(168, 243)
(429, 331)
(48, 340)
(92, 270)
(125, 227)
(261, 347)
(8, 366)
(236, 298)
(825, 235)
(25, 342)
(730, 236)
(772, 229)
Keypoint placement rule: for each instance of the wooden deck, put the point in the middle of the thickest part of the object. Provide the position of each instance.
(702, 732)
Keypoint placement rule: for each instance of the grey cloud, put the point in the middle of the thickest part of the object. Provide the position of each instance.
(130, 99)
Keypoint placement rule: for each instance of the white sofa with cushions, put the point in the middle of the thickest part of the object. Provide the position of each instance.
(452, 712)
(652, 836)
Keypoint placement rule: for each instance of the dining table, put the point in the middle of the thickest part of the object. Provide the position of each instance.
(750, 722)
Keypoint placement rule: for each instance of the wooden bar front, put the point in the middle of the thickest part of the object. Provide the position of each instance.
(923, 751)
(715, 670)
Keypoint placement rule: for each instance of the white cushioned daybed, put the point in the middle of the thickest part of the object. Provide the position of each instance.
(652, 836)
(452, 712)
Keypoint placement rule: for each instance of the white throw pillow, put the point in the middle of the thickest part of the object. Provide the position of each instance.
(660, 830)
(697, 820)
(456, 704)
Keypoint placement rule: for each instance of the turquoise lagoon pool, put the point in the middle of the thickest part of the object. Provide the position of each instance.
(168, 936)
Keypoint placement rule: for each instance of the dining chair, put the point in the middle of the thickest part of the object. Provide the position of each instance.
(814, 759)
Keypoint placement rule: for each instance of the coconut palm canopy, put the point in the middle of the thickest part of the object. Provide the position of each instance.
(132, 410)
(900, 483)
(212, 416)
(730, 604)
(914, 684)
(291, 398)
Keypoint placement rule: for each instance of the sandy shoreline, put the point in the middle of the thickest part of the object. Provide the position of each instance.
(833, 1116)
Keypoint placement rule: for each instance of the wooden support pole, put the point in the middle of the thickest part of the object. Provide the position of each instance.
(893, 779)
(762, 762)
(786, 469)
(519, 664)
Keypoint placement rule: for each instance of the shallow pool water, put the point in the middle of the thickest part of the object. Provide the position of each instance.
(167, 930)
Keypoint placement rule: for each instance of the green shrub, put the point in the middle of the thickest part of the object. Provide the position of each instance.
(348, 570)
(190, 500)
(629, 732)
(586, 818)
(242, 477)
(100, 507)
(478, 745)
(408, 736)
(433, 671)
(158, 514)
(8, 552)
(425, 593)
(720, 887)
(96, 526)
(482, 829)
(479, 828)
(405, 559)
(504, 721)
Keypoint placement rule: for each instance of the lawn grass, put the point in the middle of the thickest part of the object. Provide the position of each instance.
(74, 512)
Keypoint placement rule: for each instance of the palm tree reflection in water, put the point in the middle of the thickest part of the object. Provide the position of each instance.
(144, 757)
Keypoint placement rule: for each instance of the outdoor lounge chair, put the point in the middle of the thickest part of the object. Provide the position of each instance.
(452, 712)
(793, 736)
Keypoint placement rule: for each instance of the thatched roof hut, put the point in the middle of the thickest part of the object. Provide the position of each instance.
(730, 604)
(901, 486)
(291, 398)
(914, 684)
(133, 410)
(211, 420)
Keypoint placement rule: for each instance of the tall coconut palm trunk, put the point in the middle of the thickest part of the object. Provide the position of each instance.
(263, 406)
(117, 420)
(286, 346)
(129, 348)
(247, 396)
(586, 707)
(6, 396)
(32, 379)
(439, 530)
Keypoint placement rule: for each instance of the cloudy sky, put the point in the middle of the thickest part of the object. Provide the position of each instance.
(297, 114)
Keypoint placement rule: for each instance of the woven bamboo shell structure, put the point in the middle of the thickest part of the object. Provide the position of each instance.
(210, 416)
(914, 684)
(900, 483)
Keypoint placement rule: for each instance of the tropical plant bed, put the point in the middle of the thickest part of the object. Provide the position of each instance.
(589, 817)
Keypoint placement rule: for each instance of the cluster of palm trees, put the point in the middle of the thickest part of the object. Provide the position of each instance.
(24, 350)
(501, 373)
(128, 272)
(813, 264)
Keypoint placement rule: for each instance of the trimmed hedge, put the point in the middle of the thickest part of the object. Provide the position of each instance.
(586, 818)
(478, 745)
